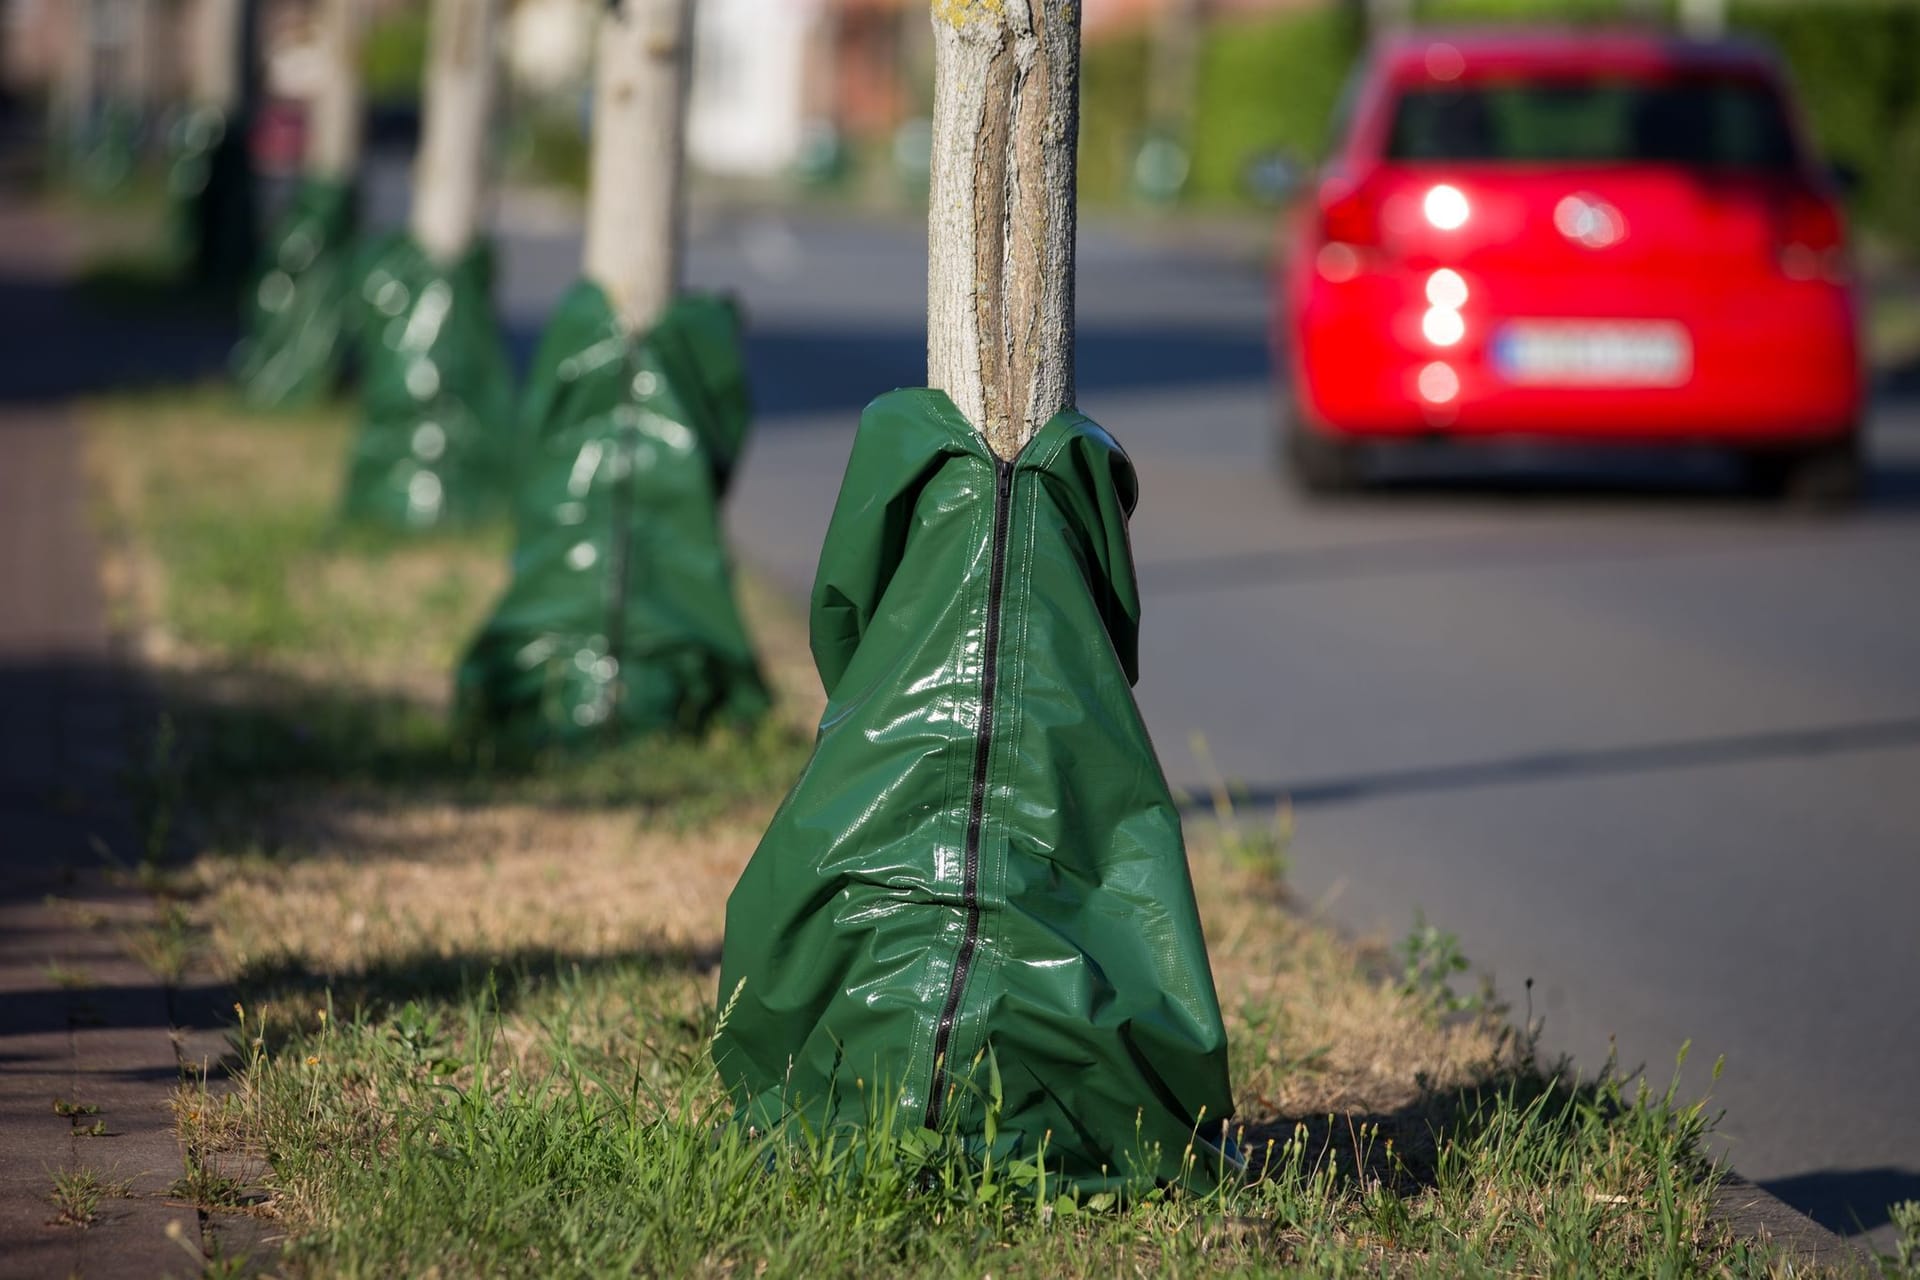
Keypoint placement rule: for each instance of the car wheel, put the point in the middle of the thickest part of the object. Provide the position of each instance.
(1825, 477)
(1319, 465)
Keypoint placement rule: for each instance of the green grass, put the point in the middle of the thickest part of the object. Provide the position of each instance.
(475, 1002)
(296, 648)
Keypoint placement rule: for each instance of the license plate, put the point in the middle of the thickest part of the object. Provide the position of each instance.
(1594, 353)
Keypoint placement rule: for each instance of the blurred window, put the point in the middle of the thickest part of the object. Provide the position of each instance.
(1707, 123)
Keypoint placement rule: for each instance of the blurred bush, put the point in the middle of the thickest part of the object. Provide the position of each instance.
(1266, 86)
(1113, 113)
(394, 56)
(1857, 65)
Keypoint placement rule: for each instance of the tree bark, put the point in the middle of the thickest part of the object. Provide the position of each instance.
(79, 78)
(1173, 69)
(335, 124)
(1000, 234)
(450, 175)
(216, 59)
(635, 174)
(1384, 17)
(1703, 19)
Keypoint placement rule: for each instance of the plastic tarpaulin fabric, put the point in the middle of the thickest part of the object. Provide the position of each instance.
(296, 317)
(210, 181)
(982, 855)
(436, 444)
(620, 619)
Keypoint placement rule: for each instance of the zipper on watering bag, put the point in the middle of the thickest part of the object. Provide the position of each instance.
(977, 800)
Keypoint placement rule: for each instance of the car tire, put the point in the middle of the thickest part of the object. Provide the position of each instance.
(1321, 466)
(1825, 477)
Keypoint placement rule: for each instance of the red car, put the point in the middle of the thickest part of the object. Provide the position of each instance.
(1582, 236)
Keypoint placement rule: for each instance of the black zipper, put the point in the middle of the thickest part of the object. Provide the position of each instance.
(977, 804)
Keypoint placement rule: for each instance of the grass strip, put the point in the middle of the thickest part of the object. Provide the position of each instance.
(475, 1001)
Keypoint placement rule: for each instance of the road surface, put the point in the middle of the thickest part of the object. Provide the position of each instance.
(1652, 746)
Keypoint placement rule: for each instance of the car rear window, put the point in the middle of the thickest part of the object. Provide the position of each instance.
(1708, 123)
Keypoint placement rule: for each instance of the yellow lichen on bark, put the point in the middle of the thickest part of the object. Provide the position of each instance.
(958, 14)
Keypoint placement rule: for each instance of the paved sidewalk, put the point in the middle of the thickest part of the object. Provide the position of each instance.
(81, 1022)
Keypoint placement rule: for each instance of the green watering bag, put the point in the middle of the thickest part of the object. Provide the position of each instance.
(295, 326)
(620, 619)
(982, 856)
(210, 184)
(436, 444)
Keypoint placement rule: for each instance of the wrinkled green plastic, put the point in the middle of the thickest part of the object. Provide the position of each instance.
(1088, 978)
(210, 181)
(295, 326)
(620, 620)
(436, 445)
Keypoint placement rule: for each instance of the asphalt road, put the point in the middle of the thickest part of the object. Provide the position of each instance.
(1655, 747)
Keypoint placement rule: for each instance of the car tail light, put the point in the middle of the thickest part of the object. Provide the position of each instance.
(1349, 215)
(1811, 238)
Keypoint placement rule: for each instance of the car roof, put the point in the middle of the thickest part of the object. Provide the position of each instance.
(1569, 50)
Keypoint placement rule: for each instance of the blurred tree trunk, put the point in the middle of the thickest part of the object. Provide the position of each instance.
(1704, 19)
(335, 127)
(450, 176)
(1385, 17)
(1173, 70)
(142, 55)
(1002, 216)
(216, 55)
(73, 101)
(635, 174)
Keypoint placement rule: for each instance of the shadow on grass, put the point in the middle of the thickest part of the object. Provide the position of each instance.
(239, 734)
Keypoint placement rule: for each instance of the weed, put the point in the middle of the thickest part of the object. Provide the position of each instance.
(1430, 959)
(1263, 851)
(1904, 1262)
(69, 979)
(77, 1196)
(167, 946)
(73, 1110)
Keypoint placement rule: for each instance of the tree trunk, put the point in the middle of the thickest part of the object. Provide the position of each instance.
(450, 176)
(633, 190)
(1000, 236)
(1173, 69)
(335, 127)
(1704, 19)
(1384, 17)
(79, 73)
(216, 54)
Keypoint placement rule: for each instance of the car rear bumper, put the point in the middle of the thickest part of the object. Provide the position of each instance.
(1775, 365)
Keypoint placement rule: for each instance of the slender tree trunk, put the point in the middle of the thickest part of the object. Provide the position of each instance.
(450, 176)
(335, 127)
(1387, 16)
(140, 55)
(1173, 69)
(216, 57)
(79, 75)
(633, 191)
(1703, 18)
(1000, 234)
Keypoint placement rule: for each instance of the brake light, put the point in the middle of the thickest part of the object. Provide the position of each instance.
(1446, 208)
(1349, 215)
(1811, 239)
